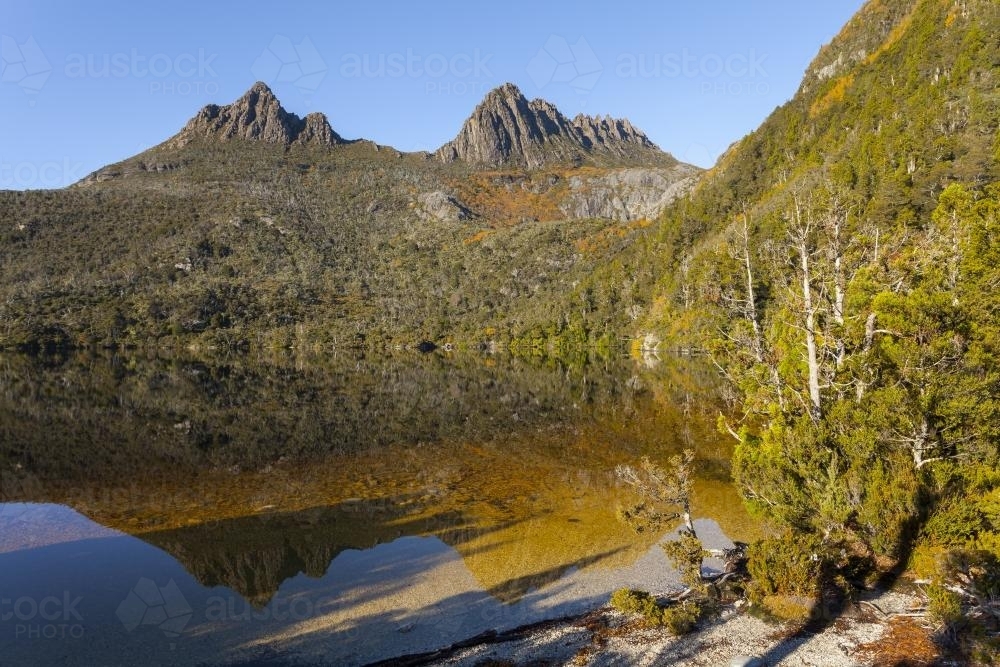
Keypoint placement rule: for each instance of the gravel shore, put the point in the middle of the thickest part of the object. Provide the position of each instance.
(737, 638)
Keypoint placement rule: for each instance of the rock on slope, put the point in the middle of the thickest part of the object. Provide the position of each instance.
(628, 194)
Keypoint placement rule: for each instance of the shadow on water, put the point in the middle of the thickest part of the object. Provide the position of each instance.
(514, 589)
(462, 618)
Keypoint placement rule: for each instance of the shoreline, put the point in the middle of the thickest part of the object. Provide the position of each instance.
(860, 636)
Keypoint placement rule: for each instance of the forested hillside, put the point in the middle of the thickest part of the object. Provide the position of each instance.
(841, 266)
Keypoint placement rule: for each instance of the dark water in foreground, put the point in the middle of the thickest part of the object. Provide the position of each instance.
(342, 511)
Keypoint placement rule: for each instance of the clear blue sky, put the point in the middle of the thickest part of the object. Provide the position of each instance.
(86, 84)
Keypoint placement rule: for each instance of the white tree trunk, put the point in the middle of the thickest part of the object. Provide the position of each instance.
(810, 327)
(801, 237)
(751, 307)
(838, 286)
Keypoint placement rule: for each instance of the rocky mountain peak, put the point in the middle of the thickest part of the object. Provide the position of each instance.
(508, 129)
(616, 135)
(257, 116)
(260, 91)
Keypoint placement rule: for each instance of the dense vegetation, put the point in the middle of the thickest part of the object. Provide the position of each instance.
(841, 264)
(243, 245)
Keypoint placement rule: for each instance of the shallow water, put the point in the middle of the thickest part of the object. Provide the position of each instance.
(242, 510)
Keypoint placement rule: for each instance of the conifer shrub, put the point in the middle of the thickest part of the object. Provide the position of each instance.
(790, 565)
(679, 618)
(943, 606)
(686, 554)
(630, 601)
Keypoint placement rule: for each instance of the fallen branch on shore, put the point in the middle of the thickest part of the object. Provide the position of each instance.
(485, 639)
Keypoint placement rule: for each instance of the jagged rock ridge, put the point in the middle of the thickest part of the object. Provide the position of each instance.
(507, 129)
(257, 116)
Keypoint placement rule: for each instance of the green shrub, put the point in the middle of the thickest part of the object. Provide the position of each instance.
(686, 554)
(788, 565)
(789, 607)
(679, 618)
(956, 523)
(630, 601)
(944, 606)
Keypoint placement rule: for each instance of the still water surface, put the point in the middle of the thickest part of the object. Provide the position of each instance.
(337, 511)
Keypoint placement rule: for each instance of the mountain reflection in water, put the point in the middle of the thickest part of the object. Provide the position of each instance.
(375, 495)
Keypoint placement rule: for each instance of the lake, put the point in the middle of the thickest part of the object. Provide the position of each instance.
(345, 510)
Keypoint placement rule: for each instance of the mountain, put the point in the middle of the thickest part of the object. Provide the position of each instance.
(257, 116)
(507, 129)
(252, 227)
